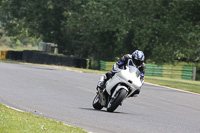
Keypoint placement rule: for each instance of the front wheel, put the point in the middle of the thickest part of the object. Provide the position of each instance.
(96, 103)
(115, 102)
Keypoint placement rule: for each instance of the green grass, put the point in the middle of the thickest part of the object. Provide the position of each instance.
(19, 48)
(8, 61)
(187, 85)
(12, 121)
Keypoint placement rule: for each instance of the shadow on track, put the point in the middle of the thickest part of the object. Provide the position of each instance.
(91, 109)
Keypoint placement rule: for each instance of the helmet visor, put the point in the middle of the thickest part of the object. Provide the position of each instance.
(137, 62)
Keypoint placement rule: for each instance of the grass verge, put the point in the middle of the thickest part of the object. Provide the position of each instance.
(19, 48)
(187, 85)
(12, 121)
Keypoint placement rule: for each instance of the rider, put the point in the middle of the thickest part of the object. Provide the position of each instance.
(136, 59)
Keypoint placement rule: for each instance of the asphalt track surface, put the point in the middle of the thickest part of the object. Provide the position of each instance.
(67, 96)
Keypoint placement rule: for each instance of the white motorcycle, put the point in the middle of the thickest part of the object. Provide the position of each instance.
(126, 83)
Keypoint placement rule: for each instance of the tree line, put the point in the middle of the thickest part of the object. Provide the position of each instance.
(165, 30)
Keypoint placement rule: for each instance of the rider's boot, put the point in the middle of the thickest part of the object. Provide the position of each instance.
(101, 82)
(100, 85)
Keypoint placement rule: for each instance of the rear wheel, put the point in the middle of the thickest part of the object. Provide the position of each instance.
(96, 103)
(115, 102)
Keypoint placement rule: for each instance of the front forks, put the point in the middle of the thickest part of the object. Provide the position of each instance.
(102, 98)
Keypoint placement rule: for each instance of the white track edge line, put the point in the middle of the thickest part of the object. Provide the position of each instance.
(13, 108)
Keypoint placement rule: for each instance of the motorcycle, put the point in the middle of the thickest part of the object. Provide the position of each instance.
(124, 84)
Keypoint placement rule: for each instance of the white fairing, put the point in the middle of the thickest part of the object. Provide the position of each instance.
(128, 79)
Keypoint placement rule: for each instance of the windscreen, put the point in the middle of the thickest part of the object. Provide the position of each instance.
(134, 70)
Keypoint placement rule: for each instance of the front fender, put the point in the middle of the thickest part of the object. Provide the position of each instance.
(121, 86)
(118, 88)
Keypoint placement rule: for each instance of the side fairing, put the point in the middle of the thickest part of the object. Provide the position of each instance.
(111, 83)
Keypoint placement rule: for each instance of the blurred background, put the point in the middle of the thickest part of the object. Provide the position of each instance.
(167, 31)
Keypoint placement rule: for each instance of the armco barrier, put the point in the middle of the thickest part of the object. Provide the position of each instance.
(153, 70)
(102, 65)
(44, 58)
(187, 72)
(172, 71)
(176, 72)
(14, 55)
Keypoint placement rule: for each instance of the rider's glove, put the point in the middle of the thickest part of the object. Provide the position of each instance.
(142, 75)
(116, 68)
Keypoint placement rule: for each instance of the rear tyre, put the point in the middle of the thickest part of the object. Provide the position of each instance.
(114, 103)
(96, 103)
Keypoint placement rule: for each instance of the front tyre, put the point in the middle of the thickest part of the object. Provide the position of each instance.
(114, 103)
(96, 103)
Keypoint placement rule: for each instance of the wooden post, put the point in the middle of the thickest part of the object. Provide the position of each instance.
(194, 73)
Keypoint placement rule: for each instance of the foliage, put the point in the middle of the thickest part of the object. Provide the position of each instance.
(165, 30)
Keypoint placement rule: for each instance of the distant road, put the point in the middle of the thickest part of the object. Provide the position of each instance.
(67, 96)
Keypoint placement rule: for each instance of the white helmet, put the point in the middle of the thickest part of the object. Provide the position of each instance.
(138, 57)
